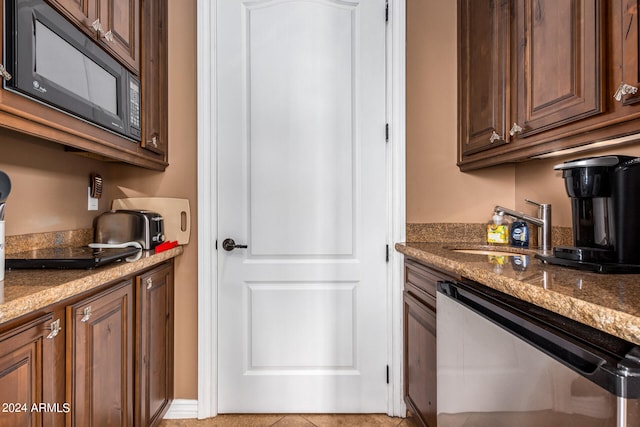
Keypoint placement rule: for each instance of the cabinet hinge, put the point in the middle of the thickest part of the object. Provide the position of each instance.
(386, 132)
(387, 374)
(386, 11)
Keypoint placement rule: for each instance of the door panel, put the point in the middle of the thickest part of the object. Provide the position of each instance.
(559, 63)
(301, 176)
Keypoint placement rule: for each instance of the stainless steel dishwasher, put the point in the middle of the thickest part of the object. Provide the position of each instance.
(504, 362)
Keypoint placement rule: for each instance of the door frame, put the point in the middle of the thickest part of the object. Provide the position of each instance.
(207, 205)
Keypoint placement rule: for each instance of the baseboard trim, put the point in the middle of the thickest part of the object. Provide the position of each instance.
(182, 409)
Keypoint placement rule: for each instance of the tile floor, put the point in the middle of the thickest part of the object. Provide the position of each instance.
(288, 420)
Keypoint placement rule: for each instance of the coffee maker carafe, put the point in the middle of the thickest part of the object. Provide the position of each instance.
(604, 208)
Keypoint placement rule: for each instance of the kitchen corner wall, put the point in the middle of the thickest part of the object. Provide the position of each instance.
(436, 189)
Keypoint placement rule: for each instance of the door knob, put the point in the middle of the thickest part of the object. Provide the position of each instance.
(230, 244)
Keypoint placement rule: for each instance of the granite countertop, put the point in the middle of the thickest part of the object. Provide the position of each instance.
(608, 302)
(25, 291)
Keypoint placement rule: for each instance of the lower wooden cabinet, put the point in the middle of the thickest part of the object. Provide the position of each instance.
(420, 359)
(100, 355)
(420, 367)
(28, 374)
(101, 359)
(154, 346)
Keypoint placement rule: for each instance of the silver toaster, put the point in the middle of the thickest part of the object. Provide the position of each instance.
(123, 226)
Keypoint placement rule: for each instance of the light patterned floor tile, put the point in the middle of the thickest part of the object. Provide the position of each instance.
(294, 420)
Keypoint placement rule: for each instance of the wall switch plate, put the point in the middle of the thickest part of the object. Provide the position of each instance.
(92, 204)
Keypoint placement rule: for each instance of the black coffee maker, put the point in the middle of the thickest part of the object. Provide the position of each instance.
(605, 207)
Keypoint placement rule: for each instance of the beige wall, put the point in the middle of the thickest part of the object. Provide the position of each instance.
(436, 189)
(50, 186)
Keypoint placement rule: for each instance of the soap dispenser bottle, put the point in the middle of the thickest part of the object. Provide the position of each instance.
(498, 230)
(520, 234)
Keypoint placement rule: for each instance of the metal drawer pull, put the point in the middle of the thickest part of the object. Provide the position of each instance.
(624, 89)
(516, 128)
(86, 314)
(149, 282)
(55, 329)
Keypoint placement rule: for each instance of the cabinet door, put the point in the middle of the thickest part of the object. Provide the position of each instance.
(28, 375)
(154, 81)
(627, 27)
(483, 55)
(154, 346)
(420, 360)
(82, 12)
(559, 63)
(100, 352)
(120, 30)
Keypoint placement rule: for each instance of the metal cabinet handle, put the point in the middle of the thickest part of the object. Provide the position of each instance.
(154, 141)
(55, 329)
(108, 36)
(149, 282)
(624, 89)
(494, 137)
(97, 26)
(230, 244)
(515, 129)
(4, 73)
(86, 314)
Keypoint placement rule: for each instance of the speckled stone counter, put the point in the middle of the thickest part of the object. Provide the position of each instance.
(610, 303)
(25, 291)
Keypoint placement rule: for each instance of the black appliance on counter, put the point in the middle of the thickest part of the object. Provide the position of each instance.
(53, 62)
(69, 258)
(605, 202)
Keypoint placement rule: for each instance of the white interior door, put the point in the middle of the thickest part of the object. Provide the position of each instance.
(301, 181)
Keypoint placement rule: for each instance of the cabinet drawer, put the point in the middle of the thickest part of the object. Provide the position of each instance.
(426, 299)
(423, 277)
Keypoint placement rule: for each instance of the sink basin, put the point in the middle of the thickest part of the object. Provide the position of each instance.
(489, 252)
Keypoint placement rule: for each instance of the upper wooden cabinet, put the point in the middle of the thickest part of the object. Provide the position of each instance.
(114, 23)
(625, 17)
(135, 26)
(558, 68)
(484, 73)
(566, 60)
(154, 78)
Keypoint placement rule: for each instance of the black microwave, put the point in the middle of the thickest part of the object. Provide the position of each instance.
(53, 62)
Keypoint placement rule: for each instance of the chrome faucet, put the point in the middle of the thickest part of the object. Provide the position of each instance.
(543, 222)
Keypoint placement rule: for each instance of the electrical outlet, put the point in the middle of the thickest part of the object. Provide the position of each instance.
(92, 204)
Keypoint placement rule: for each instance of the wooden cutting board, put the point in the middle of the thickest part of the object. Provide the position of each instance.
(175, 212)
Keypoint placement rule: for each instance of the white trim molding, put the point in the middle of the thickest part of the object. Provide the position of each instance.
(207, 202)
(396, 72)
(182, 409)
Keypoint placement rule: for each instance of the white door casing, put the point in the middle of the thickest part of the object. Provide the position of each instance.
(302, 182)
(318, 267)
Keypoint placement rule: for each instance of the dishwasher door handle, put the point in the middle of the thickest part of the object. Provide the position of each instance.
(562, 348)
